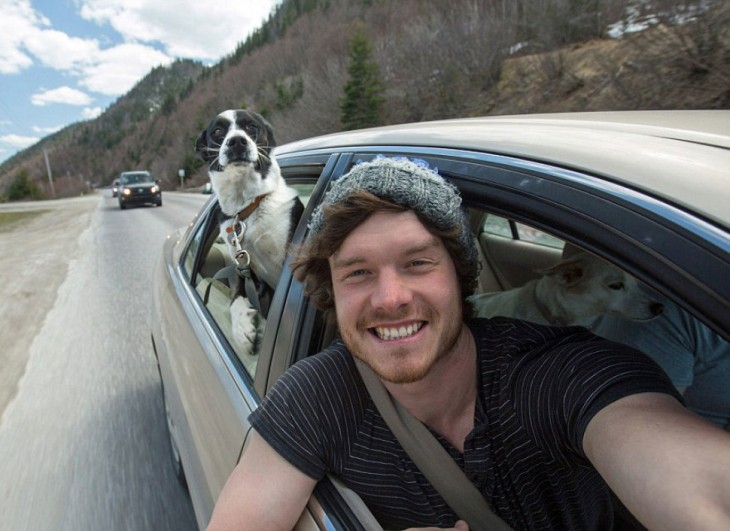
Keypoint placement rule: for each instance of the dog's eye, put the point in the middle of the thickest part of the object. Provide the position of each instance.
(252, 130)
(616, 286)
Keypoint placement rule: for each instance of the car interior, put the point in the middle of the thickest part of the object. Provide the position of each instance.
(512, 253)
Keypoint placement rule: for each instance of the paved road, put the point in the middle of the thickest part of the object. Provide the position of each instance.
(83, 442)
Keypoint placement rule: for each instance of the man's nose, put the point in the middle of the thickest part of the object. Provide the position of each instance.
(391, 290)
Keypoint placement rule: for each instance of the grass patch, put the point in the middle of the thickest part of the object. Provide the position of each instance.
(9, 220)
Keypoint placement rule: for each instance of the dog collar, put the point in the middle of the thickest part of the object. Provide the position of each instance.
(236, 231)
(246, 212)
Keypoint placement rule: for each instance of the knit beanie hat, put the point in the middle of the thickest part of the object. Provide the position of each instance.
(410, 183)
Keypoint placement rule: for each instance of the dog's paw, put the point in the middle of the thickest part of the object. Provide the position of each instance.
(244, 325)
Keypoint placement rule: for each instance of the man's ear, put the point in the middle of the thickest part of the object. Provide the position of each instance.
(201, 147)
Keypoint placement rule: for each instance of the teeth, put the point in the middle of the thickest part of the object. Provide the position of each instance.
(388, 334)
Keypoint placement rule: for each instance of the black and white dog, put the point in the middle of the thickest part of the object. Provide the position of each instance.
(261, 211)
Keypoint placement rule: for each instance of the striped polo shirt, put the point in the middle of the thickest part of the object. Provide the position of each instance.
(538, 389)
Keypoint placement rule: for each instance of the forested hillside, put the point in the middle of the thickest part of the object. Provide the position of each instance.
(320, 66)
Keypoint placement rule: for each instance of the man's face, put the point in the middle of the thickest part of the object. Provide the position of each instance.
(397, 296)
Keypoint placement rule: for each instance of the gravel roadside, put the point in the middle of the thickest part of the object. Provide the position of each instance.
(33, 263)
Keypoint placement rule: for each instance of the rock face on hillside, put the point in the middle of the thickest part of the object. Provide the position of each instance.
(629, 74)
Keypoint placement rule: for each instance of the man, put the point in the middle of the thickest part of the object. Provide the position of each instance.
(541, 419)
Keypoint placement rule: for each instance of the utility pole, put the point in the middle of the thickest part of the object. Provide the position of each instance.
(50, 175)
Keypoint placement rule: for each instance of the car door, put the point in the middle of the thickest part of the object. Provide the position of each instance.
(207, 402)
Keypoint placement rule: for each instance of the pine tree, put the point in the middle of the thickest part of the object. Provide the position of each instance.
(360, 107)
(23, 188)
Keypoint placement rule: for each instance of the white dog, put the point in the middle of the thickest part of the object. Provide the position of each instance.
(262, 211)
(575, 291)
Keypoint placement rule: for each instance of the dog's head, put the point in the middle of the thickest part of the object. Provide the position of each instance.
(237, 137)
(591, 286)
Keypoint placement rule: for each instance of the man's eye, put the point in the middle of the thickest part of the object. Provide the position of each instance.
(421, 263)
(354, 275)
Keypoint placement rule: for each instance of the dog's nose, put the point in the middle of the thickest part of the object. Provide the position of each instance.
(657, 308)
(236, 141)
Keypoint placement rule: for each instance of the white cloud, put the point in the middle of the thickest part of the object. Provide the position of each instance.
(18, 23)
(90, 113)
(26, 40)
(118, 69)
(67, 95)
(111, 71)
(186, 28)
(19, 141)
(45, 130)
(57, 50)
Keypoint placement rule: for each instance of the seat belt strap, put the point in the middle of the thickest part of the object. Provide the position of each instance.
(432, 459)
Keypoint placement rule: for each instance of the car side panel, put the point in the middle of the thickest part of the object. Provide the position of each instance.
(208, 408)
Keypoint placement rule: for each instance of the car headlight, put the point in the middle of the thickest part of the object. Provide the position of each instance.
(126, 191)
(155, 189)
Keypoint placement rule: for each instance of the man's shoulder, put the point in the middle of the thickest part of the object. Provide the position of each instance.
(512, 336)
(329, 372)
(335, 357)
(325, 385)
(508, 345)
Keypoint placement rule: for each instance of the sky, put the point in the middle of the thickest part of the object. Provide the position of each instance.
(66, 61)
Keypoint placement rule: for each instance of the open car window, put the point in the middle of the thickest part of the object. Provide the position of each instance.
(212, 272)
(515, 252)
(602, 297)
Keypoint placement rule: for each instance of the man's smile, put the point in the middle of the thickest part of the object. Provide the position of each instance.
(399, 332)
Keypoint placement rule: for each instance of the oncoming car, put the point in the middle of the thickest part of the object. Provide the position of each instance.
(115, 187)
(644, 192)
(138, 188)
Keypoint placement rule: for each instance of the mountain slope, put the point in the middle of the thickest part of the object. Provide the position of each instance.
(436, 60)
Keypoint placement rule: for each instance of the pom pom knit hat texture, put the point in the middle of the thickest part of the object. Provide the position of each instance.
(405, 182)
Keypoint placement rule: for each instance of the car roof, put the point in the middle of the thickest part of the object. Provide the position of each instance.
(681, 156)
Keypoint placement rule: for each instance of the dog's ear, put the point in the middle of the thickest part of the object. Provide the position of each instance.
(270, 140)
(201, 147)
(567, 272)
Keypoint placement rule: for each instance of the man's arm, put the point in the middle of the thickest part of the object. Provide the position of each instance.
(264, 492)
(668, 466)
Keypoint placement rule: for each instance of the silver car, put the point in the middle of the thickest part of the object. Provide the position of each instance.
(646, 191)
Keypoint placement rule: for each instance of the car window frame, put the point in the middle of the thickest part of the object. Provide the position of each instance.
(206, 222)
(284, 339)
(548, 196)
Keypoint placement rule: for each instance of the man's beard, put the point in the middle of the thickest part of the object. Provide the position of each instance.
(405, 373)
